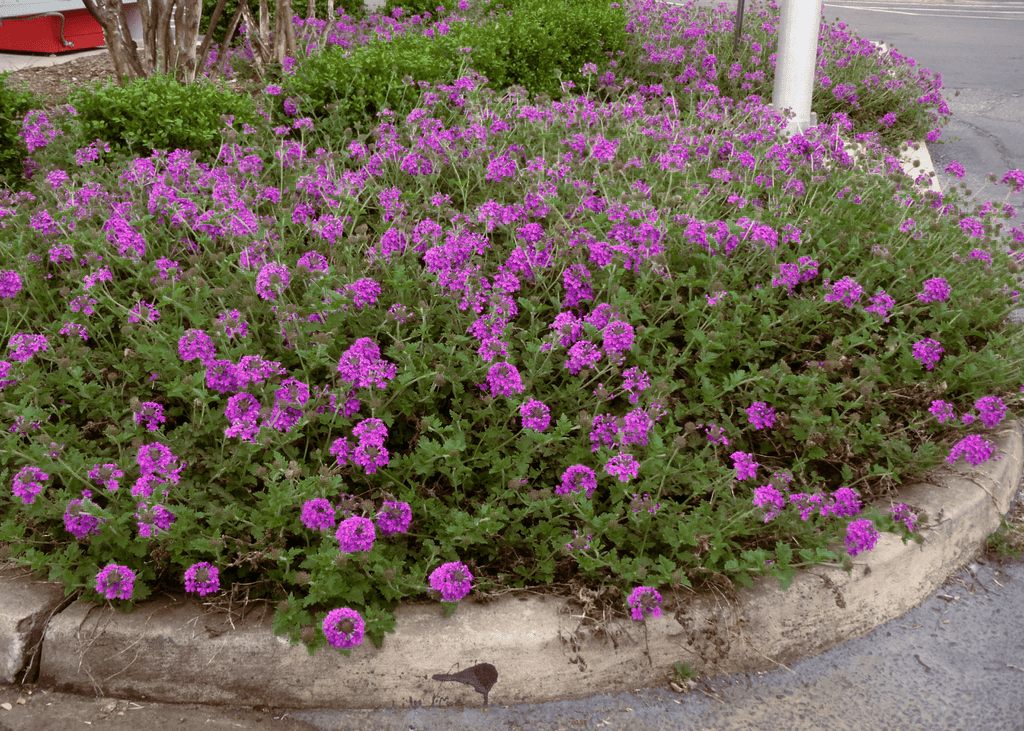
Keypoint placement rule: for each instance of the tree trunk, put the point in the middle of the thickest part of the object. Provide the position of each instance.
(113, 20)
(204, 50)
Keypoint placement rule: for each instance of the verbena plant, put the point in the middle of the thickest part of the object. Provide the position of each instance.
(625, 337)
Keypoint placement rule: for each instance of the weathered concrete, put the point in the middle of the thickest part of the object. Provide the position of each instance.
(544, 648)
(25, 607)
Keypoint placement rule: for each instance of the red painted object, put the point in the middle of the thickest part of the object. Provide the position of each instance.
(44, 33)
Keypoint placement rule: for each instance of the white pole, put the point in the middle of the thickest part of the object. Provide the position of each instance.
(795, 61)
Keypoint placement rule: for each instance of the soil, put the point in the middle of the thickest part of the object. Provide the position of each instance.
(52, 83)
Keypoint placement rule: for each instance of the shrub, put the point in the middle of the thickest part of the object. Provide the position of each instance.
(159, 113)
(14, 103)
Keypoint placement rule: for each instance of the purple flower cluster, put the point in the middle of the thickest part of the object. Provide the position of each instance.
(903, 514)
(634, 382)
(746, 467)
(535, 415)
(107, 475)
(356, 534)
(576, 478)
(196, 345)
(394, 517)
(769, 499)
(761, 415)
(151, 414)
(115, 582)
(503, 379)
(28, 483)
(846, 291)
(10, 284)
(318, 514)
(24, 345)
(935, 290)
(363, 367)
(152, 519)
(942, 410)
(79, 523)
(157, 465)
(974, 448)
(344, 628)
(370, 452)
(643, 602)
(928, 352)
(272, 280)
(453, 580)
(992, 409)
(861, 535)
(202, 578)
(623, 466)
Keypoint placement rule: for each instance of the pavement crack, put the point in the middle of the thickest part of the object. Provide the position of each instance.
(926, 668)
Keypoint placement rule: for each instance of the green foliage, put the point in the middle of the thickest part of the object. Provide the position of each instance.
(14, 103)
(348, 87)
(159, 113)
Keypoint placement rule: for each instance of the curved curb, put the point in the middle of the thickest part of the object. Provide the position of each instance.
(544, 648)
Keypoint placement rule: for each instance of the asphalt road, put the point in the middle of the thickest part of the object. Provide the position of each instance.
(978, 47)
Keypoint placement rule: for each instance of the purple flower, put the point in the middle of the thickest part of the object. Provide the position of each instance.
(761, 415)
(622, 466)
(576, 478)
(362, 365)
(341, 448)
(974, 448)
(10, 284)
(107, 475)
(845, 503)
(746, 467)
(202, 578)
(928, 352)
(196, 344)
(992, 409)
(356, 534)
(318, 514)
(935, 290)
(151, 413)
(861, 535)
(233, 324)
(152, 519)
(344, 628)
(942, 410)
(535, 415)
(371, 431)
(452, 579)
(770, 500)
(144, 312)
(223, 376)
(115, 582)
(582, 354)
(634, 381)
(500, 168)
(644, 601)
(370, 456)
(972, 227)
(845, 291)
(24, 345)
(881, 304)
(618, 337)
(28, 484)
(79, 523)
(956, 170)
(503, 380)
(1014, 178)
(272, 280)
(394, 517)
(902, 513)
(155, 458)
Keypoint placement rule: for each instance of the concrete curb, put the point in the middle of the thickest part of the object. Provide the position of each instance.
(544, 648)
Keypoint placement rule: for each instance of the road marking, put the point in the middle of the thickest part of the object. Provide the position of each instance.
(971, 12)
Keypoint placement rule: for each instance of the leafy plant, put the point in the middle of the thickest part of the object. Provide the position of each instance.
(159, 113)
(490, 343)
(14, 104)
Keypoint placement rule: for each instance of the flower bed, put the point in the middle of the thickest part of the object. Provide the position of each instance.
(630, 337)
